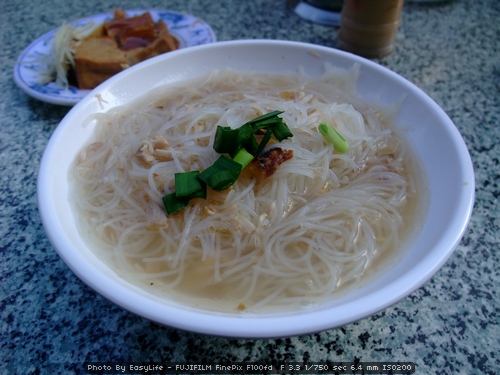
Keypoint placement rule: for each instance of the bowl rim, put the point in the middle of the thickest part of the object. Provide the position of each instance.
(246, 325)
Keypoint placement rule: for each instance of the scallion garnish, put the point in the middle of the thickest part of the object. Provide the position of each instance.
(251, 145)
(333, 136)
(269, 123)
(245, 133)
(223, 163)
(241, 145)
(222, 179)
(225, 139)
(264, 117)
(264, 141)
(173, 203)
(187, 187)
(229, 141)
(243, 157)
(186, 184)
(281, 131)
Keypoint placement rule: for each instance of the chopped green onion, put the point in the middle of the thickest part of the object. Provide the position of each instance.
(264, 141)
(333, 136)
(241, 144)
(187, 187)
(221, 180)
(281, 131)
(266, 124)
(264, 117)
(173, 203)
(252, 146)
(223, 163)
(243, 157)
(245, 133)
(229, 141)
(225, 139)
(199, 193)
(186, 184)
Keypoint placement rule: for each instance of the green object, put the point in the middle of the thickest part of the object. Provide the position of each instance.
(241, 145)
(187, 187)
(230, 141)
(264, 117)
(173, 204)
(333, 136)
(222, 180)
(266, 124)
(281, 131)
(251, 145)
(245, 133)
(187, 184)
(223, 163)
(225, 139)
(264, 141)
(243, 157)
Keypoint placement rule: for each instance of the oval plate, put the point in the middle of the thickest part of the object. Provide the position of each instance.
(189, 30)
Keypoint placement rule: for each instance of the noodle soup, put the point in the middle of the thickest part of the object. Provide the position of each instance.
(323, 222)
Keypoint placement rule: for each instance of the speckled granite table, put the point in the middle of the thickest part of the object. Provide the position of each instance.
(51, 322)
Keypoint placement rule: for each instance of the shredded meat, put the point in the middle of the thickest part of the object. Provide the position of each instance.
(166, 155)
(265, 165)
(159, 142)
(146, 154)
(154, 150)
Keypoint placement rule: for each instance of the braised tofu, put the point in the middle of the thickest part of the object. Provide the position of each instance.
(97, 59)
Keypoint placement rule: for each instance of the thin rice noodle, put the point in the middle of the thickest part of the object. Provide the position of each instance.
(317, 224)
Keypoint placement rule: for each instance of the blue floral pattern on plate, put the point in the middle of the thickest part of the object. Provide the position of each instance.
(28, 71)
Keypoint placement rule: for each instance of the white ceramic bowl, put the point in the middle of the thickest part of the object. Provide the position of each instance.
(435, 139)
